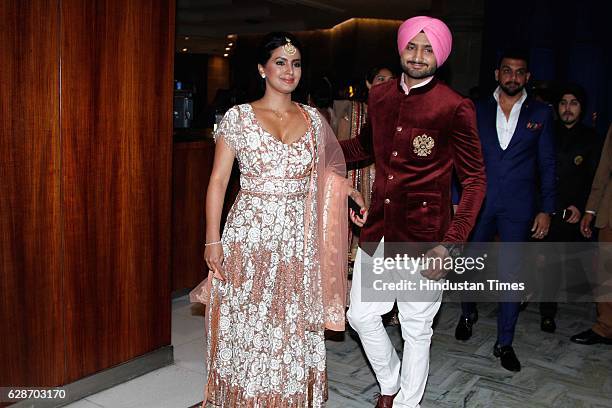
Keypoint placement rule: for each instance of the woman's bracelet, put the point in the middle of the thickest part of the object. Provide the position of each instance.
(212, 243)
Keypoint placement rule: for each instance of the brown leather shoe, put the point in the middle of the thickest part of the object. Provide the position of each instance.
(385, 401)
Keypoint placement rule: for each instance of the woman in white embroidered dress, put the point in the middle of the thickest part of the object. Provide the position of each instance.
(279, 269)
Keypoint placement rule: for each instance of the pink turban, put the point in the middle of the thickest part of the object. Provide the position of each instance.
(436, 31)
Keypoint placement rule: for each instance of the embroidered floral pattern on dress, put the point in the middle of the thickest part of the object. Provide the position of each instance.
(266, 327)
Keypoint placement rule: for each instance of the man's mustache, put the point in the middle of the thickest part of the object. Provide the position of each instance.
(418, 62)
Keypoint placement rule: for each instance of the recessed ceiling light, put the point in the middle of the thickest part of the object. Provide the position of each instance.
(184, 50)
(231, 36)
(230, 44)
(227, 48)
(186, 38)
(226, 55)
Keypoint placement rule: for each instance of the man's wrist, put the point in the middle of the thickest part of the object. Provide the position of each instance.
(453, 248)
(592, 212)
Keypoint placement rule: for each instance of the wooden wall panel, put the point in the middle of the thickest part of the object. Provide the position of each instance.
(218, 76)
(31, 328)
(116, 169)
(192, 165)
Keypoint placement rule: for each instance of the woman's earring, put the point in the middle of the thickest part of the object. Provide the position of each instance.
(263, 75)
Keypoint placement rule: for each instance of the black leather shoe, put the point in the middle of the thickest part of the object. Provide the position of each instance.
(464, 327)
(589, 337)
(548, 325)
(507, 357)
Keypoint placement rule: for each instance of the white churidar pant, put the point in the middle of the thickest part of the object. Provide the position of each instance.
(415, 318)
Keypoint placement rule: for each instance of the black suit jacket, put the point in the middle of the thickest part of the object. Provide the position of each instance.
(578, 151)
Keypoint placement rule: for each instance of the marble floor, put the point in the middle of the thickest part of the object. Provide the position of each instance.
(556, 373)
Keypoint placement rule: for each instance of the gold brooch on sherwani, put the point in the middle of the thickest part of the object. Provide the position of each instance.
(423, 145)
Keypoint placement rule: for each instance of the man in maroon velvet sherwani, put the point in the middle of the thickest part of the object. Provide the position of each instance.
(418, 131)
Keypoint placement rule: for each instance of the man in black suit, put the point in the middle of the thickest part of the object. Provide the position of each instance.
(578, 151)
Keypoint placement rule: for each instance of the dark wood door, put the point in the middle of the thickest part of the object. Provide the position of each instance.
(85, 185)
(116, 187)
(31, 312)
(192, 165)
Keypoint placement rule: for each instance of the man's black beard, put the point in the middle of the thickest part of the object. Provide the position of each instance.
(511, 92)
(569, 122)
(420, 75)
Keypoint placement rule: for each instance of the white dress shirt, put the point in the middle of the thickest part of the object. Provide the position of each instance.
(420, 84)
(506, 127)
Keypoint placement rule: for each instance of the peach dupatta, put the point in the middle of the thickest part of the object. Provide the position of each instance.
(332, 205)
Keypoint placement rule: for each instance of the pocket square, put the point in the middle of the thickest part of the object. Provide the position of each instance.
(534, 125)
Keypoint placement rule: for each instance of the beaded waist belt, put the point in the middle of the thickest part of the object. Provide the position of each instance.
(274, 186)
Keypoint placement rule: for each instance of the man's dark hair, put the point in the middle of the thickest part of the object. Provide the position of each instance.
(514, 53)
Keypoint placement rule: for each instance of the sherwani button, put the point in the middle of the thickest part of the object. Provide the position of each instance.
(390, 176)
(387, 201)
(399, 129)
(424, 204)
(394, 153)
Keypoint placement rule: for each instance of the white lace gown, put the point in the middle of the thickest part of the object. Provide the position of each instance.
(266, 331)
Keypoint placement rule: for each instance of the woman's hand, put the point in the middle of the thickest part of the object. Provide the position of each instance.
(213, 255)
(363, 217)
(217, 187)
